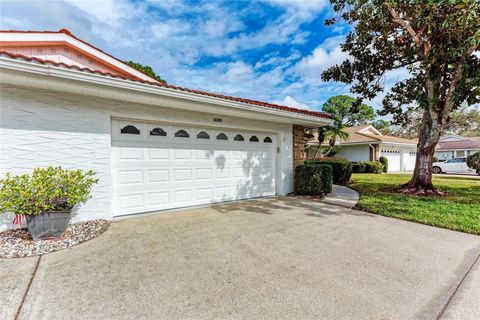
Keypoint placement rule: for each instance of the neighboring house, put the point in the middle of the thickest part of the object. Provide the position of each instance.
(456, 147)
(153, 146)
(365, 143)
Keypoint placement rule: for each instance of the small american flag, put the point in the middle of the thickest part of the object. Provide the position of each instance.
(19, 218)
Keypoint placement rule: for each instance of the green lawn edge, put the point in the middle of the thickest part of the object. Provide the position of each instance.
(459, 210)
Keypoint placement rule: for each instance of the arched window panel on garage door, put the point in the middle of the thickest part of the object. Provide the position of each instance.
(239, 137)
(129, 129)
(267, 140)
(222, 136)
(203, 135)
(182, 134)
(254, 139)
(158, 132)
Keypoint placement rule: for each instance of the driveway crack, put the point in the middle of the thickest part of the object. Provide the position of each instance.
(19, 310)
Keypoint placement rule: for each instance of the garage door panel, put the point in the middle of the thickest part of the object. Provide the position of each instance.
(158, 198)
(129, 177)
(158, 175)
(204, 194)
(182, 154)
(183, 195)
(161, 172)
(223, 192)
(182, 175)
(157, 154)
(131, 201)
(130, 154)
(222, 173)
(203, 173)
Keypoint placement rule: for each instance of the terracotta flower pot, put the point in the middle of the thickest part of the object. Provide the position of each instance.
(48, 224)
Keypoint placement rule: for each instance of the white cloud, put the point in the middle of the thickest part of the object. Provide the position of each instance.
(324, 56)
(110, 12)
(291, 102)
(170, 28)
(308, 7)
(237, 72)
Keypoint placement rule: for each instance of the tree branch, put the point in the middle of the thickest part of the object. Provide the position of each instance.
(404, 23)
(457, 75)
(408, 27)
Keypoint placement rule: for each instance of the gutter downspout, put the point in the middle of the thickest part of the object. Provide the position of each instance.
(373, 154)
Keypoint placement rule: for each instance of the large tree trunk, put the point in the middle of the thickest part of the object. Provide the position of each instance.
(430, 131)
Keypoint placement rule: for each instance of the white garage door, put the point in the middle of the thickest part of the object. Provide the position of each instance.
(159, 166)
(393, 156)
(409, 158)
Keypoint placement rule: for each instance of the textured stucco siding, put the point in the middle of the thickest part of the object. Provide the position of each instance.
(40, 128)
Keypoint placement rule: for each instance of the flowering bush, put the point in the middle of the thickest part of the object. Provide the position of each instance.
(45, 190)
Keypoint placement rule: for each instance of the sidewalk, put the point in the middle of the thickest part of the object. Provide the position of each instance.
(342, 196)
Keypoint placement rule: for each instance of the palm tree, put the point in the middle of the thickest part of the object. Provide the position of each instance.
(330, 132)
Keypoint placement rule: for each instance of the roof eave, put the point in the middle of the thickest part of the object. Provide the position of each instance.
(73, 75)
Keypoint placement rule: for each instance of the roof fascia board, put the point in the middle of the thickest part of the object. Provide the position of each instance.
(62, 37)
(370, 128)
(114, 83)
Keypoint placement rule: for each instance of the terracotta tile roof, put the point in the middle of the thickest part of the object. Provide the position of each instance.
(466, 143)
(152, 83)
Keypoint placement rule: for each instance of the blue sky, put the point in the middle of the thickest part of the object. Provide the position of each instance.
(270, 50)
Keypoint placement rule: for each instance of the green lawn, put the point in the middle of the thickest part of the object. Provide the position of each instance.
(460, 210)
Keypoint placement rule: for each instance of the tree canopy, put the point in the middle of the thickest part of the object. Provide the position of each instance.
(347, 112)
(436, 42)
(465, 121)
(145, 69)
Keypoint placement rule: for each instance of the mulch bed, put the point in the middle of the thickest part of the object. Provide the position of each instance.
(17, 243)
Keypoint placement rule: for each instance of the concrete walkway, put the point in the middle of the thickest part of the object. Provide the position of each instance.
(465, 302)
(274, 258)
(342, 196)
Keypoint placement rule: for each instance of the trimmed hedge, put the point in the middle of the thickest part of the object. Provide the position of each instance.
(359, 167)
(327, 177)
(373, 167)
(342, 169)
(384, 162)
(367, 167)
(434, 159)
(313, 180)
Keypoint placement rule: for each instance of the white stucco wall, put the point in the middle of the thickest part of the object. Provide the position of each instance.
(354, 153)
(40, 128)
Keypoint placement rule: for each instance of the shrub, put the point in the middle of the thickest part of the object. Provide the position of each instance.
(313, 180)
(358, 167)
(384, 162)
(327, 177)
(473, 161)
(342, 169)
(434, 159)
(373, 167)
(45, 190)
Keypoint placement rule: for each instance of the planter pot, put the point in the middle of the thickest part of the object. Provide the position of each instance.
(48, 224)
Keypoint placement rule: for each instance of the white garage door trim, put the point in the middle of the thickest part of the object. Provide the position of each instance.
(159, 171)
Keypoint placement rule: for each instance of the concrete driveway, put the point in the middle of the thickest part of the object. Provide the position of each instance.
(278, 258)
